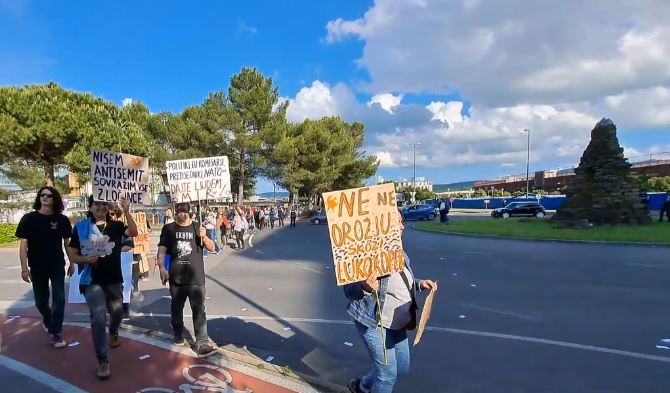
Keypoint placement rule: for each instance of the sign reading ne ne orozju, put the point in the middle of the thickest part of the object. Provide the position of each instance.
(199, 179)
(364, 232)
(116, 175)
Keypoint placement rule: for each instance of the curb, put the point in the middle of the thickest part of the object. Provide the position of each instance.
(640, 244)
(257, 365)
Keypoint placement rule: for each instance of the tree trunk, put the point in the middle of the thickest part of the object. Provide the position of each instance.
(240, 186)
(49, 174)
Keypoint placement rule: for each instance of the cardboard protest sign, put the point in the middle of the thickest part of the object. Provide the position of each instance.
(425, 314)
(364, 232)
(142, 239)
(116, 175)
(199, 179)
(75, 297)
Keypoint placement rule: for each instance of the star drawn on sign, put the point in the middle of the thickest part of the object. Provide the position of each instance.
(331, 202)
(136, 161)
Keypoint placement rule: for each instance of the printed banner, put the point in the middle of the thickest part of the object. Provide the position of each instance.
(75, 297)
(199, 179)
(116, 175)
(142, 239)
(364, 232)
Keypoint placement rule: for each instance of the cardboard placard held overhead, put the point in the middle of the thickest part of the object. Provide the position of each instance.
(425, 315)
(142, 239)
(364, 232)
(199, 179)
(116, 175)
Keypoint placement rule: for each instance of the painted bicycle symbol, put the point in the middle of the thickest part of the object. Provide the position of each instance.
(213, 379)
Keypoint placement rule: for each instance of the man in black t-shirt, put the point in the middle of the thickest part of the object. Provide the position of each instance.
(43, 234)
(183, 241)
(101, 279)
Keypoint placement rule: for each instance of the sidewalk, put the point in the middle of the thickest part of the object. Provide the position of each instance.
(143, 363)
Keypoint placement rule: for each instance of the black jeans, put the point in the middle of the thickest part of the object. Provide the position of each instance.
(196, 298)
(239, 238)
(292, 221)
(52, 316)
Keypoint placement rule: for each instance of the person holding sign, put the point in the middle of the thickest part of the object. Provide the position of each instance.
(96, 246)
(184, 242)
(383, 310)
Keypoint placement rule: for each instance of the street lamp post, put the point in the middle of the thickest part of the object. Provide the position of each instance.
(414, 187)
(527, 130)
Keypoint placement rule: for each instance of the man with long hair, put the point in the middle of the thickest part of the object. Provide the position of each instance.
(43, 233)
(101, 279)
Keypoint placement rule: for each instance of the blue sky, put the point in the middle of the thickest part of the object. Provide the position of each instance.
(333, 58)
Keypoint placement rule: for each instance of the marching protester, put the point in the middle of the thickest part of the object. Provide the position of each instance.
(43, 233)
(384, 329)
(184, 242)
(444, 210)
(239, 226)
(280, 215)
(294, 215)
(210, 226)
(261, 218)
(101, 279)
(273, 217)
(127, 245)
(168, 216)
(224, 227)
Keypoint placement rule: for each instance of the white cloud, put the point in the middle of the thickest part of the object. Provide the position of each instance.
(449, 113)
(243, 27)
(504, 53)
(312, 102)
(387, 101)
(126, 102)
(449, 138)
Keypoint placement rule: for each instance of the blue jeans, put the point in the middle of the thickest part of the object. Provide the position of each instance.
(381, 379)
(211, 234)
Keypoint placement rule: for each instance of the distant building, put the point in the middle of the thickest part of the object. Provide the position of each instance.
(421, 182)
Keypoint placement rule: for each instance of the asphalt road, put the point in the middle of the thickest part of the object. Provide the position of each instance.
(510, 316)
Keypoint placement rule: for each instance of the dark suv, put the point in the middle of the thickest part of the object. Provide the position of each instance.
(520, 209)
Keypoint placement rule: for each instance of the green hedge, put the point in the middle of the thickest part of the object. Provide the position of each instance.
(7, 233)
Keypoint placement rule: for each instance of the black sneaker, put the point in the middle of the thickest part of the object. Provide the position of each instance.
(207, 349)
(355, 387)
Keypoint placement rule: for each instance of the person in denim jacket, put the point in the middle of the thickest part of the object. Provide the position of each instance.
(386, 324)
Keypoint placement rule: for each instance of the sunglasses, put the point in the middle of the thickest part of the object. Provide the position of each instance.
(46, 195)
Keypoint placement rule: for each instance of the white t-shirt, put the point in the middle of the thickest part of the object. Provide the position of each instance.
(396, 311)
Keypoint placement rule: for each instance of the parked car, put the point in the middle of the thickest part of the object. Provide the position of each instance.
(319, 218)
(418, 212)
(520, 209)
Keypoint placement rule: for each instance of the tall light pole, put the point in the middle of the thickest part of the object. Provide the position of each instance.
(414, 188)
(527, 130)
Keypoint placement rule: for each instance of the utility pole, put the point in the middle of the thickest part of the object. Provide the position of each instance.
(414, 188)
(527, 161)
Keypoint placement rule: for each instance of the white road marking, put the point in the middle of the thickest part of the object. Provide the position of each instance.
(5, 282)
(311, 270)
(564, 344)
(646, 265)
(40, 376)
(503, 312)
(19, 304)
(12, 267)
(250, 239)
(476, 252)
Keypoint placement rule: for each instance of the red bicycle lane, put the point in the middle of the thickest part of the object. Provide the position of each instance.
(140, 364)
